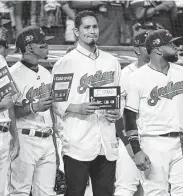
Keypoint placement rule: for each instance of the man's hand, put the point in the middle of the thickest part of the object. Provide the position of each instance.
(112, 115)
(142, 161)
(6, 102)
(43, 104)
(88, 108)
(14, 148)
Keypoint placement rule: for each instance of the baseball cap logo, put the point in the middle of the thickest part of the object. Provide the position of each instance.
(156, 42)
(29, 38)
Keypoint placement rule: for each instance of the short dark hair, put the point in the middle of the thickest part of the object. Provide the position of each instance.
(81, 15)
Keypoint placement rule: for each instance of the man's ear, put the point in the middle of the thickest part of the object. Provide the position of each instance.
(136, 49)
(158, 50)
(76, 33)
(30, 49)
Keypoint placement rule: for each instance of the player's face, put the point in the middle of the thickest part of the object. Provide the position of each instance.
(41, 50)
(169, 52)
(88, 31)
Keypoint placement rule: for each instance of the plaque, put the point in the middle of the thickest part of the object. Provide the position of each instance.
(108, 97)
(61, 86)
(7, 85)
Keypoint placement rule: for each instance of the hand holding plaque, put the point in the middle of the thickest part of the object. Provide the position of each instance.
(61, 86)
(112, 115)
(108, 97)
(88, 108)
(7, 101)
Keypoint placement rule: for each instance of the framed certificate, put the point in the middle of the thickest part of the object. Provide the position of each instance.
(108, 97)
(61, 86)
(7, 85)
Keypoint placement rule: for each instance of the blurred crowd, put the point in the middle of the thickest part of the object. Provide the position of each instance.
(116, 18)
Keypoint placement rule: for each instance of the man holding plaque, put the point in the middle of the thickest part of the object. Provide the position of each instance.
(86, 82)
(7, 116)
(35, 167)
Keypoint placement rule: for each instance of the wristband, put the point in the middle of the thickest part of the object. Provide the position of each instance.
(135, 144)
(31, 108)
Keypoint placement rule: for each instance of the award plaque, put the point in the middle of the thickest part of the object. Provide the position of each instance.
(7, 85)
(61, 86)
(108, 97)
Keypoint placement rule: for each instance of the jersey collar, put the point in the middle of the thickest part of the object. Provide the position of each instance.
(87, 53)
(34, 68)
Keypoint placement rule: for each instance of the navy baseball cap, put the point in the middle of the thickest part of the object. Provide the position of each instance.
(31, 34)
(159, 38)
(139, 38)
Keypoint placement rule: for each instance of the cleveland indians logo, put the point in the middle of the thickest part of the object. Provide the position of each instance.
(156, 42)
(29, 38)
(96, 80)
(37, 93)
(169, 91)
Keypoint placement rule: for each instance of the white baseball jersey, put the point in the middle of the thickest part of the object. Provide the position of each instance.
(37, 156)
(127, 174)
(4, 143)
(125, 74)
(157, 98)
(83, 135)
(32, 86)
(4, 115)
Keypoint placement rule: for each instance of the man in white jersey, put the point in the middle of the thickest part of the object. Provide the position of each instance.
(36, 164)
(154, 113)
(127, 174)
(90, 146)
(7, 118)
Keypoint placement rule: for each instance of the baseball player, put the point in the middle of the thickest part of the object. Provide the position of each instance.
(36, 164)
(7, 118)
(127, 174)
(89, 141)
(127, 184)
(154, 113)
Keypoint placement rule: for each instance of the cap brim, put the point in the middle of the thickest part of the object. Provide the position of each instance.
(46, 38)
(5, 21)
(175, 39)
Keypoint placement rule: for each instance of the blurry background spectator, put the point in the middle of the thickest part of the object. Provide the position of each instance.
(69, 23)
(163, 12)
(177, 25)
(110, 18)
(53, 12)
(116, 18)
